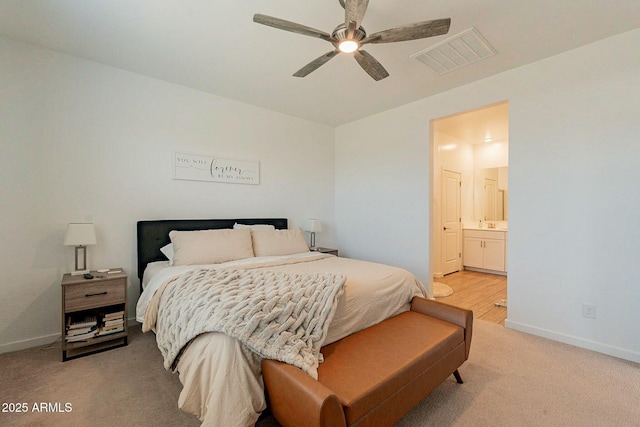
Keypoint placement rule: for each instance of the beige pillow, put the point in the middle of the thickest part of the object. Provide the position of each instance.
(210, 246)
(278, 242)
(255, 226)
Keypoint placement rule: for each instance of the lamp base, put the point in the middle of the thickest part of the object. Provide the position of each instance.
(81, 261)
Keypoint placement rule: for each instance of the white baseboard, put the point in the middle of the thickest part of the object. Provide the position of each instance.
(29, 343)
(43, 340)
(484, 270)
(610, 350)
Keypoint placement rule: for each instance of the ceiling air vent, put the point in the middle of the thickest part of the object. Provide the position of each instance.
(456, 52)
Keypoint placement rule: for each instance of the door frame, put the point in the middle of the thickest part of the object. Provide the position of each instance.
(435, 165)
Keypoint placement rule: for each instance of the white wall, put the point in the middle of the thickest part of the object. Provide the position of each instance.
(81, 141)
(382, 189)
(573, 183)
(491, 155)
(457, 156)
(85, 142)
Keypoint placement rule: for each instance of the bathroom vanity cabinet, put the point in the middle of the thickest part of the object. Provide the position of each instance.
(485, 250)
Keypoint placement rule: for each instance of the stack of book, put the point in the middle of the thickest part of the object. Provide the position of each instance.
(81, 328)
(112, 323)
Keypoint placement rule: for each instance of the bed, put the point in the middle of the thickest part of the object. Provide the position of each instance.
(219, 367)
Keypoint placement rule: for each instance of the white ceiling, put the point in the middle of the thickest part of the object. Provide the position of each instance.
(213, 45)
(473, 127)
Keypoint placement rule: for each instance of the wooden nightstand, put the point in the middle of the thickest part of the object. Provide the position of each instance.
(327, 251)
(94, 313)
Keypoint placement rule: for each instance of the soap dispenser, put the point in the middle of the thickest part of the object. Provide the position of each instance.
(480, 224)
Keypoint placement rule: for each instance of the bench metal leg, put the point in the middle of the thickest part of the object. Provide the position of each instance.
(458, 377)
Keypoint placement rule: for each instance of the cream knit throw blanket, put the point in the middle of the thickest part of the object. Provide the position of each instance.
(282, 316)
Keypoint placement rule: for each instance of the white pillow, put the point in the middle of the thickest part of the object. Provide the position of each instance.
(210, 246)
(254, 226)
(278, 242)
(167, 250)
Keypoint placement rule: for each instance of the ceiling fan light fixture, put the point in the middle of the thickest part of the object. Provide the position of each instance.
(346, 42)
(348, 46)
(349, 36)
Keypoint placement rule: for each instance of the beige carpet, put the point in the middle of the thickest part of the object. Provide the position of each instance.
(511, 379)
(441, 290)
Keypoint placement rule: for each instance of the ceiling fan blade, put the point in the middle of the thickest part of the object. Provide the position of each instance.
(370, 65)
(418, 30)
(354, 11)
(282, 24)
(315, 64)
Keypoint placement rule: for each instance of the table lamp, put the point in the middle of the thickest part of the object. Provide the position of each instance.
(313, 226)
(80, 235)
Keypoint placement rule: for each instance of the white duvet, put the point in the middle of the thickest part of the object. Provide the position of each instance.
(222, 379)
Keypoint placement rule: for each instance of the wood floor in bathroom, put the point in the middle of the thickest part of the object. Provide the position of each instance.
(477, 292)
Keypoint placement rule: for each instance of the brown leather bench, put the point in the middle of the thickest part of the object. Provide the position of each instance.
(375, 376)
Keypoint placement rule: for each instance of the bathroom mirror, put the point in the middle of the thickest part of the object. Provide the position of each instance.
(491, 194)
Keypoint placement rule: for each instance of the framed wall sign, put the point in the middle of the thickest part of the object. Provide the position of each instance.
(200, 167)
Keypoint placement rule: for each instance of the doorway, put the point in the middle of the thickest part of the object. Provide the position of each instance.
(470, 151)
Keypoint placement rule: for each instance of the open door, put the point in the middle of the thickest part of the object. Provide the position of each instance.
(452, 226)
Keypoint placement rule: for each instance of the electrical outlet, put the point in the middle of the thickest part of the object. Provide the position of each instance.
(589, 310)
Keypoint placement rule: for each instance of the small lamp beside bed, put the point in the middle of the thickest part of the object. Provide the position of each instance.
(313, 226)
(80, 235)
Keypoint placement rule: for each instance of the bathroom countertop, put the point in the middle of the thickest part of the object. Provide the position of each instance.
(486, 229)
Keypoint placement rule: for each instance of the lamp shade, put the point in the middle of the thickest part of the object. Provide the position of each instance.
(80, 234)
(313, 225)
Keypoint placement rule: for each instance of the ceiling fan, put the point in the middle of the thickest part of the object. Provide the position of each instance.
(350, 36)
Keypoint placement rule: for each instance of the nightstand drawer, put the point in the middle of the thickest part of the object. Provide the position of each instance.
(92, 295)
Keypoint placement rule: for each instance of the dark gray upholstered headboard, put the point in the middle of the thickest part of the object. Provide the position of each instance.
(153, 235)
